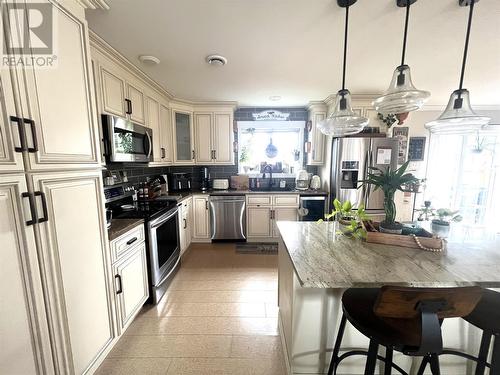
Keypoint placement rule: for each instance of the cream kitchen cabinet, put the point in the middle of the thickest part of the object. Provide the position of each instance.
(135, 104)
(75, 258)
(183, 137)
(24, 332)
(316, 139)
(185, 226)
(54, 112)
(213, 138)
(166, 140)
(131, 284)
(201, 219)
(153, 122)
(263, 211)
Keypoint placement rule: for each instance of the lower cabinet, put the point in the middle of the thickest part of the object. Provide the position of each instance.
(201, 219)
(283, 214)
(259, 221)
(131, 285)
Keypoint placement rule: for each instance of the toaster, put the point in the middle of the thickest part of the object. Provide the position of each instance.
(220, 184)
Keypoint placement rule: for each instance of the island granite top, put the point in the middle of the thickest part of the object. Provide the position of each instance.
(323, 259)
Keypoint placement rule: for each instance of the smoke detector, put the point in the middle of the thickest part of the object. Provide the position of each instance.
(217, 60)
(275, 98)
(149, 59)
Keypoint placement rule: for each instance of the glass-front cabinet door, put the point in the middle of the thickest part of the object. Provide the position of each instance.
(183, 136)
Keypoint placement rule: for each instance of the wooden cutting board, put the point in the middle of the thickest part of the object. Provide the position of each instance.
(239, 182)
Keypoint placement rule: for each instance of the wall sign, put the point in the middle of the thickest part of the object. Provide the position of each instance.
(416, 150)
(401, 133)
(271, 115)
(384, 156)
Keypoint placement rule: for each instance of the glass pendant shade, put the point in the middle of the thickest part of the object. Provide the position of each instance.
(458, 117)
(401, 96)
(343, 120)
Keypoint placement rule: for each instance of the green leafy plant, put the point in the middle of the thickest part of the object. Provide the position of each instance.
(445, 216)
(426, 211)
(389, 181)
(350, 218)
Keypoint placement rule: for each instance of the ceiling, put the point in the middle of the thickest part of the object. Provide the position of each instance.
(293, 48)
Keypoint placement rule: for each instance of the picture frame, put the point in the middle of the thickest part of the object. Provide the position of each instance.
(416, 148)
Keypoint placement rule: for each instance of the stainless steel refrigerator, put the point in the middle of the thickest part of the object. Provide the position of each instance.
(351, 158)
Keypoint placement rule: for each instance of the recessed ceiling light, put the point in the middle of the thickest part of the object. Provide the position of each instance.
(275, 98)
(217, 60)
(149, 59)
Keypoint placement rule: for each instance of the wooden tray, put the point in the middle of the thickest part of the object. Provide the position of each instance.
(403, 240)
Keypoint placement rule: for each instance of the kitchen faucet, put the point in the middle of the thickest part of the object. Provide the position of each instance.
(268, 168)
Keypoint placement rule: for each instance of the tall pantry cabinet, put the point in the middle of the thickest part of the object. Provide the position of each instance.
(55, 303)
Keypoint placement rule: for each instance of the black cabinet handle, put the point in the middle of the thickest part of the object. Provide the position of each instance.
(129, 106)
(215, 154)
(185, 223)
(206, 205)
(119, 290)
(163, 152)
(131, 241)
(33, 134)
(22, 135)
(45, 216)
(193, 155)
(31, 200)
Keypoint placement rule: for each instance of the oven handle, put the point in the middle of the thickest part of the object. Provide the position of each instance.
(172, 270)
(162, 219)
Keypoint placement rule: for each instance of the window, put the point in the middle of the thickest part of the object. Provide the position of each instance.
(464, 174)
(278, 143)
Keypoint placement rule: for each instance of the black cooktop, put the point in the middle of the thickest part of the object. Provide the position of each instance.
(146, 210)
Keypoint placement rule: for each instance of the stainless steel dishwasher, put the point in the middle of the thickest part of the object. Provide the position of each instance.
(227, 217)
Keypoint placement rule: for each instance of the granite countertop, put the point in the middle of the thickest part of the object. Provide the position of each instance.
(323, 259)
(122, 226)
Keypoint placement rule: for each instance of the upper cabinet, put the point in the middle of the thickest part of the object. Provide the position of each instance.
(53, 113)
(184, 152)
(214, 138)
(135, 104)
(316, 140)
(153, 122)
(166, 142)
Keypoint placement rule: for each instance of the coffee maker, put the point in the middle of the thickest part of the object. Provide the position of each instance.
(205, 179)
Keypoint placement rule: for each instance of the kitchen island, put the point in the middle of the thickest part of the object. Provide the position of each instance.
(316, 265)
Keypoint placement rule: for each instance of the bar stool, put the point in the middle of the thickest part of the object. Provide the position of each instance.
(407, 320)
(486, 317)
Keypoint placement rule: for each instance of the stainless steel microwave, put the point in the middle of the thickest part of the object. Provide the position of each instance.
(125, 141)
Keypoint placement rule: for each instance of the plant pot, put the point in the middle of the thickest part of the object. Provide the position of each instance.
(344, 225)
(440, 228)
(391, 228)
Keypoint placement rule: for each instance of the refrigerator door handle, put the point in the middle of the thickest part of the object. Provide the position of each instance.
(369, 187)
(365, 172)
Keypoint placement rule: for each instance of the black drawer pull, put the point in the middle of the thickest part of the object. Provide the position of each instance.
(31, 200)
(131, 241)
(22, 136)
(119, 290)
(45, 216)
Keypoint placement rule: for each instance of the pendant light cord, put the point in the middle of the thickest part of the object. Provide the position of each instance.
(408, 3)
(345, 45)
(469, 23)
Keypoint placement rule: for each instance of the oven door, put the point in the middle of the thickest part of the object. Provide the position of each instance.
(164, 249)
(126, 141)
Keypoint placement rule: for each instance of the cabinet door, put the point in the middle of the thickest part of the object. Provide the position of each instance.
(10, 159)
(75, 258)
(24, 337)
(201, 223)
(317, 139)
(223, 137)
(153, 122)
(259, 222)
(166, 148)
(283, 214)
(113, 93)
(203, 138)
(183, 138)
(60, 101)
(131, 285)
(136, 98)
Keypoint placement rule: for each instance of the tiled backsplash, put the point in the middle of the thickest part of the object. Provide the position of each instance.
(139, 173)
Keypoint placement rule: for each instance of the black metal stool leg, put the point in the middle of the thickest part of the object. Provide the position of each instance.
(371, 361)
(423, 365)
(483, 353)
(388, 361)
(336, 348)
(495, 357)
(434, 361)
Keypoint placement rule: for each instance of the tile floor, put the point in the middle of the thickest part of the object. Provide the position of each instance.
(218, 317)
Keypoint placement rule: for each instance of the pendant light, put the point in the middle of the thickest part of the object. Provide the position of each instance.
(343, 120)
(458, 117)
(401, 96)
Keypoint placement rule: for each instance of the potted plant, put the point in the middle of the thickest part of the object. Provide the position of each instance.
(389, 181)
(426, 211)
(349, 219)
(440, 225)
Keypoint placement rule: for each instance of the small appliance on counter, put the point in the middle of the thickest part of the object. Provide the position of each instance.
(315, 182)
(163, 184)
(220, 184)
(179, 181)
(302, 180)
(205, 179)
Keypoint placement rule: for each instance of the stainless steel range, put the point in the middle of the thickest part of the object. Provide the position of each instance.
(162, 234)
